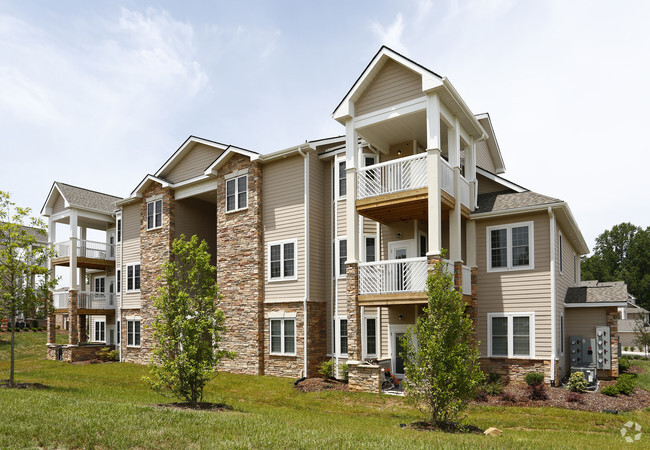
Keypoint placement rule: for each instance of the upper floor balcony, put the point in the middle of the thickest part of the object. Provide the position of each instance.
(89, 254)
(87, 302)
(398, 189)
(400, 281)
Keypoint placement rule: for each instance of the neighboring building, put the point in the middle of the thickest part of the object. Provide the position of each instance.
(630, 318)
(322, 249)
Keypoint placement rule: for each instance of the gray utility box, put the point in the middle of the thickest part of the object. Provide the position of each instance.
(603, 348)
(582, 351)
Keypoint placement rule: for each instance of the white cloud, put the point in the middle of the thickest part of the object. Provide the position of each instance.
(390, 35)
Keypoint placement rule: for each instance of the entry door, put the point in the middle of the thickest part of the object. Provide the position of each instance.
(110, 337)
(396, 349)
(110, 301)
(399, 277)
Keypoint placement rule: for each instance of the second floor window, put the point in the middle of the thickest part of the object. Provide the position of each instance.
(133, 277)
(119, 230)
(510, 247)
(342, 179)
(237, 193)
(342, 257)
(154, 214)
(283, 260)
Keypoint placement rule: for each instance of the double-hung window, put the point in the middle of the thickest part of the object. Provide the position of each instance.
(511, 335)
(283, 336)
(119, 280)
(100, 284)
(133, 277)
(343, 337)
(119, 230)
(510, 247)
(283, 260)
(371, 336)
(341, 256)
(133, 332)
(341, 177)
(370, 248)
(236, 193)
(100, 331)
(154, 214)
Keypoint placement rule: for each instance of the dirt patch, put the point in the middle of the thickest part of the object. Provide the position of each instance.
(202, 406)
(447, 427)
(319, 384)
(5, 385)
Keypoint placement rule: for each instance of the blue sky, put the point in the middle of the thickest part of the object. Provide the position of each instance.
(98, 94)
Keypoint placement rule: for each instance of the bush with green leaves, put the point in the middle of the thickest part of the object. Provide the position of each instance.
(611, 391)
(626, 348)
(534, 378)
(326, 369)
(493, 384)
(626, 383)
(441, 358)
(577, 382)
(536, 387)
(344, 372)
(623, 365)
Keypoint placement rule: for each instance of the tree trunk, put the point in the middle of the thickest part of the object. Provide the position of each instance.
(11, 367)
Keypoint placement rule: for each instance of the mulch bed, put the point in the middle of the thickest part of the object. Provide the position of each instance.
(319, 384)
(5, 385)
(202, 406)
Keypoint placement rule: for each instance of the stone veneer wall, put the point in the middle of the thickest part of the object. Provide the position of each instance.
(317, 336)
(515, 370)
(240, 270)
(354, 312)
(281, 365)
(74, 353)
(365, 378)
(612, 322)
(138, 355)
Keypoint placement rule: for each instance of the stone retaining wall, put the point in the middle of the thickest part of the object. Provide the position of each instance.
(364, 378)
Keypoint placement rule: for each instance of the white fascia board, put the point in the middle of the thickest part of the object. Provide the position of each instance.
(502, 181)
(221, 160)
(189, 190)
(593, 305)
(137, 192)
(332, 152)
(468, 112)
(180, 152)
(49, 201)
(495, 150)
(287, 152)
(576, 229)
(509, 212)
(391, 112)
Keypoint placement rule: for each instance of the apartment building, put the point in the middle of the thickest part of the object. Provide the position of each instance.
(322, 250)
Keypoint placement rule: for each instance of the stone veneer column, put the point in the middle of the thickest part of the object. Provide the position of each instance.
(612, 322)
(240, 270)
(51, 329)
(354, 312)
(73, 336)
(458, 276)
(317, 337)
(83, 335)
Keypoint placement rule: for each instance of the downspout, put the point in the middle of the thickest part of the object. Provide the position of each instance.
(305, 157)
(119, 307)
(334, 288)
(553, 294)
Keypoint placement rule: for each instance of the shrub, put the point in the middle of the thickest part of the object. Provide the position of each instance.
(495, 388)
(344, 371)
(326, 369)
(577, 382)
(612, 391)
(508, 398)
(534, 378)
(626, 348)
(493, 377)
(623, 365)
(573, 397)
(106, 354)
(481, 396)
(626, 383)
(58, 327)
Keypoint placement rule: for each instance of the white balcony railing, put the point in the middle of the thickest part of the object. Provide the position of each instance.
(389, 177)
(60, 300)
(464, 192)
(85, 300)
(402, 276)
(86, 249)
(447, 178)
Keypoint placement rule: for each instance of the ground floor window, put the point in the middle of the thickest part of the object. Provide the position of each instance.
(511, 335)
(119, 331)
(371, 336)
(344, 336)
(100, 331)
(133, 332)
(283, 336)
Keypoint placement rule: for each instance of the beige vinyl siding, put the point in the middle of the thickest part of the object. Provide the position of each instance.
(193, 164)
(393, 84)
(563, 281)
(130, 250)
(517, 290)
(319, 229)
(369, 226)
(486, 186)
(283, 219)
(59, 204)
(583, 321)
(194, 216)
(342, 305)
(483, 157)
(384, 332)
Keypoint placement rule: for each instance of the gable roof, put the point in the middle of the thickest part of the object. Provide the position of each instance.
(504, 200)
(594, 293)
(493, 145)
(184, 149)
(80, 198)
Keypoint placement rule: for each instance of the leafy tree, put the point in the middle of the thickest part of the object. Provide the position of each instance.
(622, 253)
(25, 280)
(642, 333)
(441, 357)
(188, 325)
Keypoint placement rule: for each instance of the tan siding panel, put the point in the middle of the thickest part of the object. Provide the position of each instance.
(583, 321)
(319, 224)
(393, 84)
(59, 204)
(192, 164)
(483, 157)
(194, 216)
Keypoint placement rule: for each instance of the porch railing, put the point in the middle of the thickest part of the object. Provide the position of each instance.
(85, 300)
(389, 177)
(86, 249)
(447, 178)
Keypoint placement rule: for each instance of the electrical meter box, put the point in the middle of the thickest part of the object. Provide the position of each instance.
(603, 348)
(583, 351)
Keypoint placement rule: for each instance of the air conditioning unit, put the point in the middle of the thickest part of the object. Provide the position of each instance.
(589, 372)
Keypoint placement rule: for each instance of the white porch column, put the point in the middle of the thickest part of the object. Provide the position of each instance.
(51, 238)
(434, 235)
(73, 250)
(453, 141)
(470, 174)
(82, 271)
(352, 216)
(470, 233)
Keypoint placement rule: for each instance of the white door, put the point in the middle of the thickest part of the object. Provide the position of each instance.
(110, 299)
(399, 278)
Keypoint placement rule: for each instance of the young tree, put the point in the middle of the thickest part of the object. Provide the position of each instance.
(188, 325)
(441, 357)
(642, 333)
(25, 280)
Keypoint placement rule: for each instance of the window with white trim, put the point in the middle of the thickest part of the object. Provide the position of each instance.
(133, 332)
(283, 336)
(510, 247)
(511, 335)
(283, 260)
(119, 331)
(154, 214)
(370, 248)
(100, 284)
(118, 227)
(100, 331)
(341, 256)
(343, 336)
(370, 336)
(341, 177)
(236, 193)
(119, 280)
(133, 277)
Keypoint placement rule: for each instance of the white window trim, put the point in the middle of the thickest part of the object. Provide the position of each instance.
(337, 336)
(364, 336)
(295, 260)
(295, 332)
(154, 214)
(119, 229)
(531, 247)
(530, 315)
(118, 280)
(236, 175)
(420, 235)
(369, 155)
(133, 319)
(95, 280)
(96, 328)
(127, 276)
(337, 193)
(363, 249)
(337, 252)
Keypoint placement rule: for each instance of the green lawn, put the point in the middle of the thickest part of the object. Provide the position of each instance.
(107, 405)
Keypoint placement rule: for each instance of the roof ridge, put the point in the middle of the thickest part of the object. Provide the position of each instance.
(86, 189)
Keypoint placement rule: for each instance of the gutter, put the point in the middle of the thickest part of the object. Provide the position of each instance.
(553, 295)
(305, 157)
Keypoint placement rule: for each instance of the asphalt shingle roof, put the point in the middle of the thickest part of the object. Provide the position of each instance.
(504, 200)
(597, 292)
(84, 198)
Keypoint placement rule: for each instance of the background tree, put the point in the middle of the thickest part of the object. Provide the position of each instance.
(441, 357)
(188, 325)
(622, 253)
(25, 281)
(642, 333)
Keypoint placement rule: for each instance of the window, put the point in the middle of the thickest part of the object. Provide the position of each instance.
(119, 230)
(133, 332)
(371, 336)
(154, 214)
(100, 284)
(561, 259)
(371, 248)
(100, 331)
(237, 193)
(283, 260)
(283, 336)
(119, 281)
(511, 335)
(133, 277)
(423, 245)
(510, 247)
(344, 336)
(369, 160)
(342, 256)
(119, 331)
(342, 180)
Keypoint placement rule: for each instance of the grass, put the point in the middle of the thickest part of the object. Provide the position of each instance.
(643, 379)
(107, 405)
(29, 345)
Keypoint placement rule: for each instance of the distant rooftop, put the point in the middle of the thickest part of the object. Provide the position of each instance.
(84, 198)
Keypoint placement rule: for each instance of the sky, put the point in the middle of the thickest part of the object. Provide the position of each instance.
(98, 94)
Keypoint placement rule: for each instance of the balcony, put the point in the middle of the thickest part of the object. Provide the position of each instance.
(398, 190)
(401, 281)
(87, 302)
(90, 254)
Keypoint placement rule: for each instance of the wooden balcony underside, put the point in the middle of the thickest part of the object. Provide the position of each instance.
(87, 263)
(87, 312)
(405, 298)
(406, 205)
